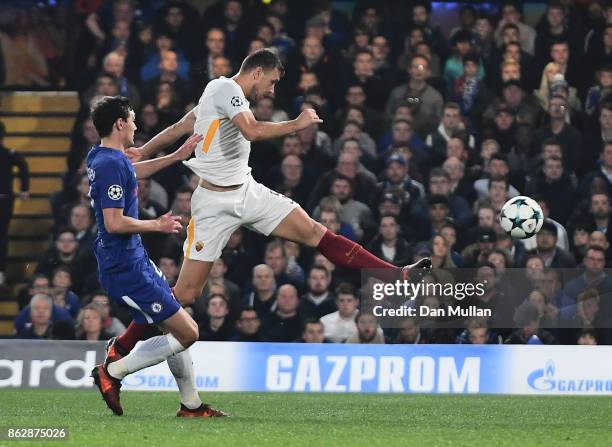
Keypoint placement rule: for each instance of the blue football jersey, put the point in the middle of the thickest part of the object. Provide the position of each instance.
(113, 184)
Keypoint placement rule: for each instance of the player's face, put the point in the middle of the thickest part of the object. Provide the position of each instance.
(264, 84)
(130, 128)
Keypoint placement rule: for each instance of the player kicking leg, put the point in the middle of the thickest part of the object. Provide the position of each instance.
(125, 270)
(228, 197)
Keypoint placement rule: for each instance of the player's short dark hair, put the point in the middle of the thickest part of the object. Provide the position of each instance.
(107, 110)
(264, 58)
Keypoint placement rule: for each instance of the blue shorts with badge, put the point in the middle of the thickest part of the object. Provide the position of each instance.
(141, 286)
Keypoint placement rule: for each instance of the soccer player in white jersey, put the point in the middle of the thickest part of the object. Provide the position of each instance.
(228, 197)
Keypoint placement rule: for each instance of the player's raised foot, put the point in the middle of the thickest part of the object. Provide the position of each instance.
(113, 352)
(424, 263)
(109, 388)
(203, 411)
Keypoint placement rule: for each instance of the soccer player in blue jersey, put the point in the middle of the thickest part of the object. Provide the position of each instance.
(125, 270)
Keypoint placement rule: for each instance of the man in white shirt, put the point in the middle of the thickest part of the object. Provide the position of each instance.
(340, 325)
(228, 197)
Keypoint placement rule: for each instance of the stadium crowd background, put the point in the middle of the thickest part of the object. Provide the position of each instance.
(426, 133)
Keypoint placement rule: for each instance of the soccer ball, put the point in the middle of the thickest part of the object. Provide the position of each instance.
(521, 217)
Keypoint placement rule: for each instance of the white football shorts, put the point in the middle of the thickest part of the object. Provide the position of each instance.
(215, 215)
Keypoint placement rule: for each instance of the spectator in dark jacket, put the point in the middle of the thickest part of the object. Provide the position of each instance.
(285, 324)
(547, 249)
(389, 245)
(555, 187)
(319, 300)
(248, 326)
(216, 325)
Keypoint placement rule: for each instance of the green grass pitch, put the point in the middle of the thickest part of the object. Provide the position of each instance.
(313, 420)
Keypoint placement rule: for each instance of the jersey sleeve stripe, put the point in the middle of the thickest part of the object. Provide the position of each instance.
(210, 134)
(190, 236)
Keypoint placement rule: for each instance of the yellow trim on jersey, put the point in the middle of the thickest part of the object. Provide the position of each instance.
(210, 134)
(190, 235)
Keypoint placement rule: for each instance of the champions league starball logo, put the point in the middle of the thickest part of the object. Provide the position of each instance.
(115, 192)
(236, 101)
(91, 174)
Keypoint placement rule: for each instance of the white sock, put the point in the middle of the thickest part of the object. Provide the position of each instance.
(149, 352)
(181, 367)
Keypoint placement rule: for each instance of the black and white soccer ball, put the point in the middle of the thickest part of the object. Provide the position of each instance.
(521, 217)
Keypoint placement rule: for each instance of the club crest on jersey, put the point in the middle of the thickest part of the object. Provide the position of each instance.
(91, 174)
(236, 101)
(156, 307)
(115, 192)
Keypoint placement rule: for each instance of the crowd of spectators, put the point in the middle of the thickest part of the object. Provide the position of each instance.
(426, 134)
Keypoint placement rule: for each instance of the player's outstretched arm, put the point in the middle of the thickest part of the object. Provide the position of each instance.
(254, 130)
(115, 222)
(147, 168)
(163, 139)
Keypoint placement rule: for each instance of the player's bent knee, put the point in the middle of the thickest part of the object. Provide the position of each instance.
(187, 295)
(315, 233)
